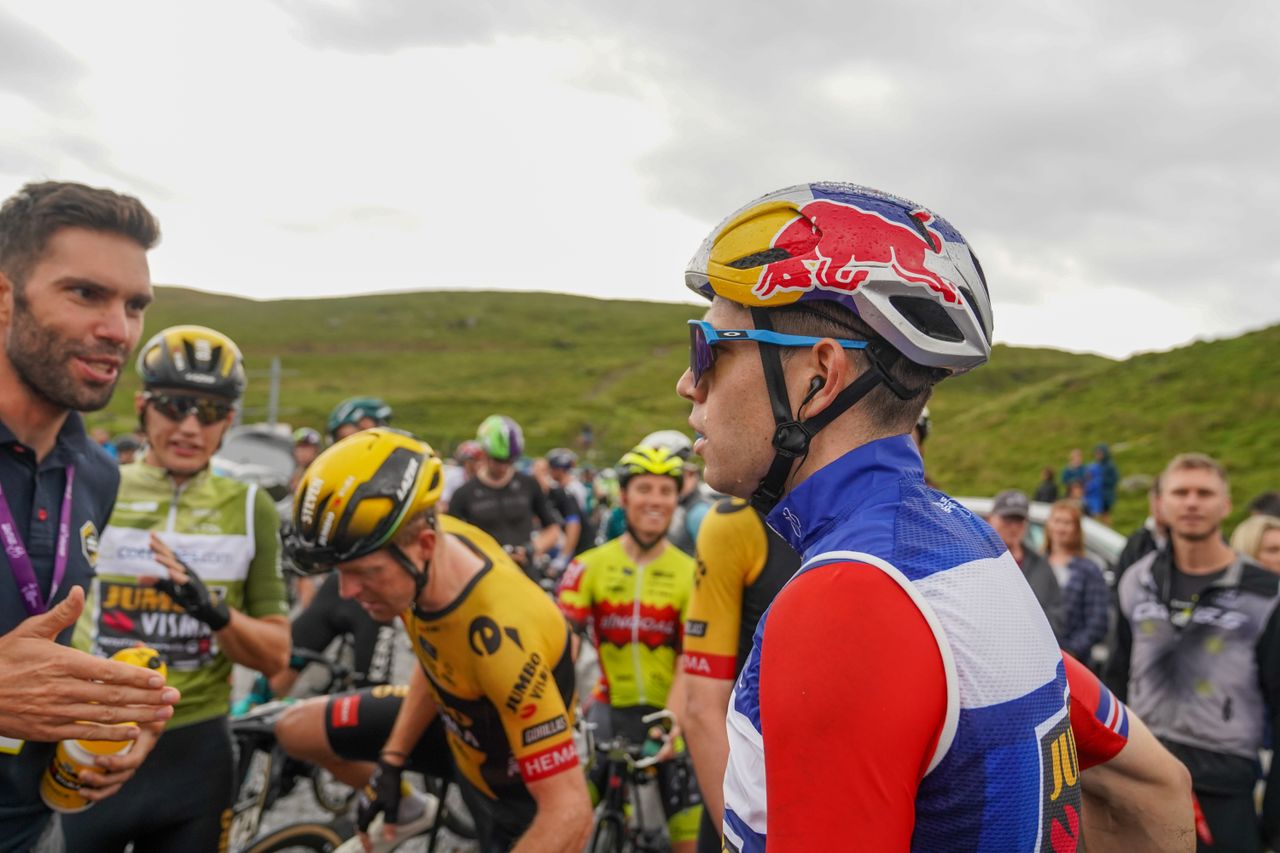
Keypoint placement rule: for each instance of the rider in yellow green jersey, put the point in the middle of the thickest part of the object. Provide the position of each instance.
(630, 595)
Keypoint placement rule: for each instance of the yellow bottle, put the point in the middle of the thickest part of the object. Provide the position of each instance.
(60, 785)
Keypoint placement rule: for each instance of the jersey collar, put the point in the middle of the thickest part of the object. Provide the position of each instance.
(839, 490)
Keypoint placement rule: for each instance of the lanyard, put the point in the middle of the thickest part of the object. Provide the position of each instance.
(24, 573)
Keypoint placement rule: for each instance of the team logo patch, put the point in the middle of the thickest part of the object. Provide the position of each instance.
(346, 712)
(542, 731)
(89, 542)
(549, 762)
(1059, 787)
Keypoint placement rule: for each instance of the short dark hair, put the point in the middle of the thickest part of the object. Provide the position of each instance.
(886, 410)
(32, 215)
(1267, 503)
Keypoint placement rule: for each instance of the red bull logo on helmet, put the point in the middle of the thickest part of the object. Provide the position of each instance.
(836, 246)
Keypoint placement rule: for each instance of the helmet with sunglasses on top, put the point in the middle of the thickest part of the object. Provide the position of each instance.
(356, 495)
(902, 270)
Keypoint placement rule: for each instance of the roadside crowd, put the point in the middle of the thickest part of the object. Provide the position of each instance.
(909, 674)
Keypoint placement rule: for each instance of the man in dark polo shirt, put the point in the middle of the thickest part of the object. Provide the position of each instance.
(74, 283)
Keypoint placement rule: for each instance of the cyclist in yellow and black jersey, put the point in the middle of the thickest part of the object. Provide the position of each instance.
(742, 564)
(496, 675)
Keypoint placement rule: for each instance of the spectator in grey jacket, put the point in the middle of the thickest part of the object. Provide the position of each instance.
(1198, 645)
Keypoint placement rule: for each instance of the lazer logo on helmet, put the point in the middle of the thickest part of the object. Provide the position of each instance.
(836, 246)
(406, 482)
(200, 378)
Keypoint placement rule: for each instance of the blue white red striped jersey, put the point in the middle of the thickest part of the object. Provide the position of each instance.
(996, 768)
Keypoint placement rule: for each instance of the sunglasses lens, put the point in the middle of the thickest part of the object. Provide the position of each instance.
(701, 356)
(167, 406)
(177, 408)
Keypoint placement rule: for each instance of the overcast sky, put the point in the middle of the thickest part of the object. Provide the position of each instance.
(1116, 166)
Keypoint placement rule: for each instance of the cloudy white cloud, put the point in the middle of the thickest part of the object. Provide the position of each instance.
(1113, 165)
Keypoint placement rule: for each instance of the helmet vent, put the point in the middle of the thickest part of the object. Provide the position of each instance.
(759, 259)
(928, 317)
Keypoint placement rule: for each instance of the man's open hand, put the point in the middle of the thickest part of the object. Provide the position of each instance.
(49, 692)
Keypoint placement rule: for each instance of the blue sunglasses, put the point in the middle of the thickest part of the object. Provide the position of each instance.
(703, 338)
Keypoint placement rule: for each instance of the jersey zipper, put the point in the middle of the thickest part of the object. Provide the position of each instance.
(172, 521)
(635, 637)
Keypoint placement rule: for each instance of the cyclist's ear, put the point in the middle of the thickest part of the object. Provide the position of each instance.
(427, 539)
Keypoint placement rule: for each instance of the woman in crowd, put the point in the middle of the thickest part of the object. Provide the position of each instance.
(1085, 597)
(1258, 538)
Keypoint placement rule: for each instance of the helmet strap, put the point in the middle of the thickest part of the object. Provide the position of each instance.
(791, 435)
(645, 547)
(419, 576)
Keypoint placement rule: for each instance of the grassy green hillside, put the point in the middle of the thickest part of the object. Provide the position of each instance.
(1220, 397)
(555, 362)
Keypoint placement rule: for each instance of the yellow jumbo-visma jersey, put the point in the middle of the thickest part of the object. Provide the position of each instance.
(741, 566)
(498, 660)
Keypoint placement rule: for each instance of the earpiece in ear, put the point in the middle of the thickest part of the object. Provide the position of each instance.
(815, 385)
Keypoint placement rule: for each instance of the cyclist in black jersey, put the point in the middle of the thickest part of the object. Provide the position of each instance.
(502, 501)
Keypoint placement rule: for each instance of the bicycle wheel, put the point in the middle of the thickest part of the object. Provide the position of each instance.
(317, 837)
(607, 836)
(333, 796)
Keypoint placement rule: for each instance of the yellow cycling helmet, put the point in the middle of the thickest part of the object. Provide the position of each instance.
(643, 459)
(193, 358)
(353, 498)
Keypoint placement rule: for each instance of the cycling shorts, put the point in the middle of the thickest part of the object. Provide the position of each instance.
(358, 723)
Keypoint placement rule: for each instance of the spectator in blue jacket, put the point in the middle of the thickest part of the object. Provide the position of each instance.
(1085, 598)
(1100, 479)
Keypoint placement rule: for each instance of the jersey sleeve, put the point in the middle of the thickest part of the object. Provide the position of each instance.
(537, 724)
(460, 502)
(542, 507)
(1099, 721)
(315, 627)
(573, 594)
(264, 593)
(853, 699)
(566, 504)
(728, 552)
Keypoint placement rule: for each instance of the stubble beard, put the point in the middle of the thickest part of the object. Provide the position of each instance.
(41, 361)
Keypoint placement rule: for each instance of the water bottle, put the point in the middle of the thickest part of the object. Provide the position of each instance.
(60, 785)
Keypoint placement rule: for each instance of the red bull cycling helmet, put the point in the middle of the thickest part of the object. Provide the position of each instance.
(500, 438)
(905, 272)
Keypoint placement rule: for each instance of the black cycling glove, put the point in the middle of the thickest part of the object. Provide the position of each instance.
(194, 597)
(380, 794)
